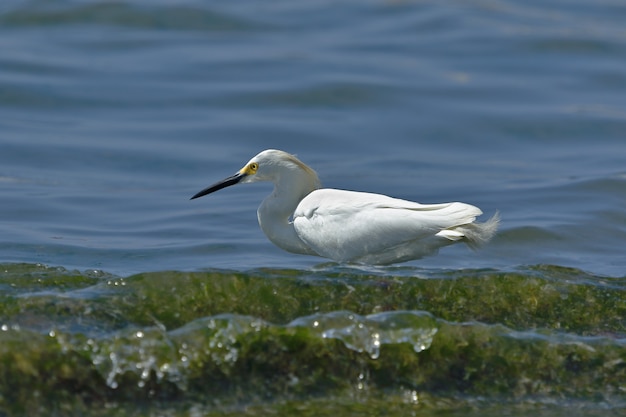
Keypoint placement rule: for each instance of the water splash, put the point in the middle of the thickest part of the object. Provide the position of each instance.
(155, 353)
(215, 337)
(369, 333)
(146, 353)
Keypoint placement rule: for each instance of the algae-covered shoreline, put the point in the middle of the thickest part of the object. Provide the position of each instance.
(332, 340)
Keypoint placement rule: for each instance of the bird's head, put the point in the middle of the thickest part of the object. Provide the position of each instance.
(269, 165)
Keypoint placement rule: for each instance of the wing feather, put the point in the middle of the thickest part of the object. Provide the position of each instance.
(348, 225)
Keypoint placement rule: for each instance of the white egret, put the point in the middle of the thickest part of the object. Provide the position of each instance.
(350, 226)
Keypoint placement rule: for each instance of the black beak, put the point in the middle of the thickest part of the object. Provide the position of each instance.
(227, 182)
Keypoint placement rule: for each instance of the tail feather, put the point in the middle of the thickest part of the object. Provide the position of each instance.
(477, 234)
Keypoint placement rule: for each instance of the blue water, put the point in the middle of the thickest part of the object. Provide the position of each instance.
(113, 114)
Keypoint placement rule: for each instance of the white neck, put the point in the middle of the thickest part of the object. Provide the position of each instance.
(275, 212)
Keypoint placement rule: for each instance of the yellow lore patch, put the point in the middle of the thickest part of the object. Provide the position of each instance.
(249, 169)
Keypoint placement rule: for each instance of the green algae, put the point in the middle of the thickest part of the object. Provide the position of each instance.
(516, 299)
(78, 342)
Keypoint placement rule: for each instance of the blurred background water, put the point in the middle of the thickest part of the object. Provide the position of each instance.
(113, 114)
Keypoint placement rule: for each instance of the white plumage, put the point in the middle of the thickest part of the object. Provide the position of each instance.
(350, 226)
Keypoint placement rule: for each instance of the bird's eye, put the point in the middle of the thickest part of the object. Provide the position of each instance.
(254, 166)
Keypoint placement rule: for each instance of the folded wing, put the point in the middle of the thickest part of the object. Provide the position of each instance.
(350, 226)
